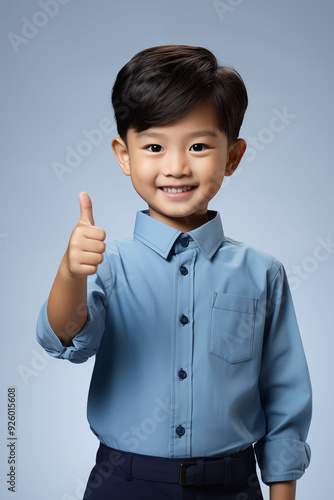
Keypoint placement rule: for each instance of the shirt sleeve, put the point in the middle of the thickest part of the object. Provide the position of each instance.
(285, 389)
(87, 341)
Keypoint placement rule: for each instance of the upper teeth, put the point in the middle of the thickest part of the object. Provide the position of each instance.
(176, 190)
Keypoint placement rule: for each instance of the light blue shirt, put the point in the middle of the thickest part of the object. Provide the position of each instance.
(198, 351)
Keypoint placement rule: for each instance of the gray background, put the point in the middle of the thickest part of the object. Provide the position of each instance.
(56, 84)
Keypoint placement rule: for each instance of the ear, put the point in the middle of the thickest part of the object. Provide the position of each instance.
(236, 152)
(121, 152)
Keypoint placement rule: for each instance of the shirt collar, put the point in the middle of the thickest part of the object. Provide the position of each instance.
(160, 237)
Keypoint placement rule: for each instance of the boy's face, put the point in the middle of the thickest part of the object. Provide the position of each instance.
(177, 169)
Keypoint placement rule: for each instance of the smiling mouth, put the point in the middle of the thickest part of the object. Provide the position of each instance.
(177, 190)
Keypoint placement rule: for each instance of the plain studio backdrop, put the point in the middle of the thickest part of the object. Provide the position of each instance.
(59, 61)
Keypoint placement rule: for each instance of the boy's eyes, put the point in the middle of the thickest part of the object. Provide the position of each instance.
(198, 147)
(155, 148)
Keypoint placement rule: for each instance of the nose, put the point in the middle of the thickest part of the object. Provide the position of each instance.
(176, 165)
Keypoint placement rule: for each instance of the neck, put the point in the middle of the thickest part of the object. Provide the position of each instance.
(183, 224)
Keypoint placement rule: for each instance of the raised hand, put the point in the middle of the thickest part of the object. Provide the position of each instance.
(86, 245)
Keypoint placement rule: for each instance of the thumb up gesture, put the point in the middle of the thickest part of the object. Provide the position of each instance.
(86, 210)
(86, 245)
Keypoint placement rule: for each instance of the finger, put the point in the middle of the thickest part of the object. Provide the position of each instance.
(85, 270)
(94, 246)
(91, 259)
(89, 232)
(86, 209)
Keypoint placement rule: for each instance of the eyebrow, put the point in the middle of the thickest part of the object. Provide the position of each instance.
(197, 133)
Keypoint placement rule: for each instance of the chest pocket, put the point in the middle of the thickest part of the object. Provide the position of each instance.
(232, 327)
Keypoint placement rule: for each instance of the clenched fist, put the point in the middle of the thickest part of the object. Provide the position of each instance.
(86, 245)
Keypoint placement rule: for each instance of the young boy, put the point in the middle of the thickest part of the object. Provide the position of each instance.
(198, 353)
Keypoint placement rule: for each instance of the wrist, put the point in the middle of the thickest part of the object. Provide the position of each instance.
(285, 490)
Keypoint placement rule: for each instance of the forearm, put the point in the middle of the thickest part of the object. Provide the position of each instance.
(67, 304)
(285, 490)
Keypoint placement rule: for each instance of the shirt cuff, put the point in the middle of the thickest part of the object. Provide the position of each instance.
(282, 459)
(84, 345)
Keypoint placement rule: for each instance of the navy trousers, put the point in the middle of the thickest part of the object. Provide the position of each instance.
(120, 475)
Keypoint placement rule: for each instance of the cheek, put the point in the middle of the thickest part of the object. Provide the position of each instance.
(139, 172)
(214, 180)
(142, 179)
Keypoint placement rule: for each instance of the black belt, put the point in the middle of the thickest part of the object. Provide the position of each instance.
(226, 469)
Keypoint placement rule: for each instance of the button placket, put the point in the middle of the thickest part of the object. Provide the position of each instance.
(183, 350)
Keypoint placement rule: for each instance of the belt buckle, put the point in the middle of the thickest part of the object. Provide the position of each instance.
(182, 475)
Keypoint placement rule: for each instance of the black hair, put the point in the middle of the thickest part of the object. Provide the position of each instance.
(161, 85)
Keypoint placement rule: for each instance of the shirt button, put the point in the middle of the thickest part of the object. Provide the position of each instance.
(184, 320)
(183, 270)
(180, 430)
(184, 242)
(182, 374)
